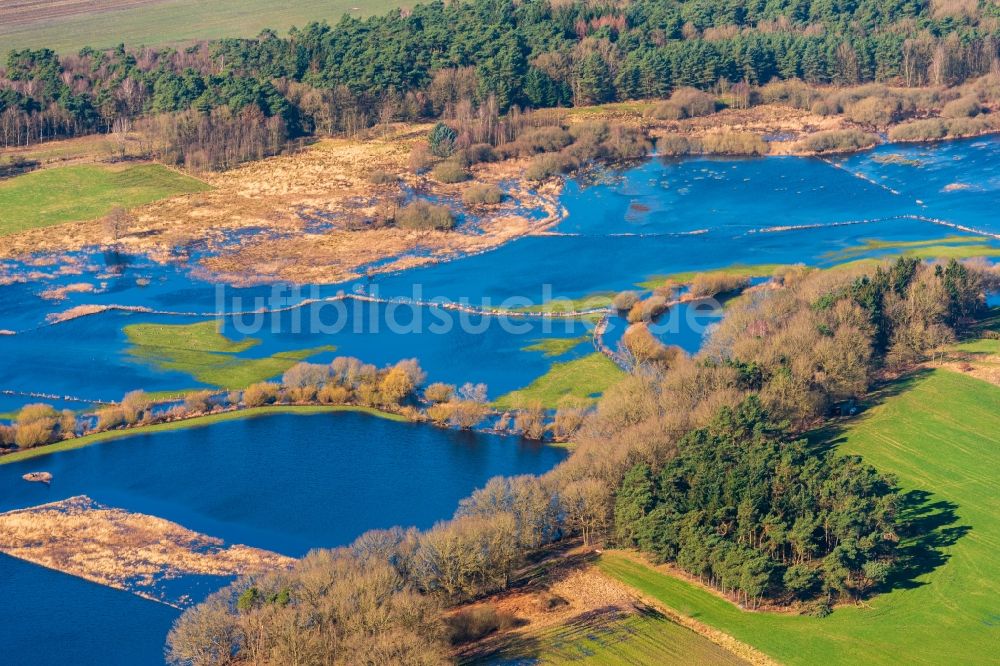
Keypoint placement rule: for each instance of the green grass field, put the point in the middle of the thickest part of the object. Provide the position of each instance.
(981, 346)
(954, 246)
(594, 301)
(736, 270)
(614, 639)
(940, 435)
(201, 351)
(162, 22)
(197, 422)
(553, 347)
(84, 192)
(585, 378)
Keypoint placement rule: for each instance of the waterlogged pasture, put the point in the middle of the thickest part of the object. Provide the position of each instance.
(665, 217)
(289, 483)
(283, 482)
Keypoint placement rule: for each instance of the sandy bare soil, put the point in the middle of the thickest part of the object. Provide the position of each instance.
(128, 551)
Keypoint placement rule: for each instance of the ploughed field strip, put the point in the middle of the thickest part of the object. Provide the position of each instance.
(614, 637)
(27, 12)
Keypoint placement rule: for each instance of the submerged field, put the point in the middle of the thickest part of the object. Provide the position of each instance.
(583, 379)
(68, 26)
(84, 192)
(648, 221)
(940, 434)
(201, 351)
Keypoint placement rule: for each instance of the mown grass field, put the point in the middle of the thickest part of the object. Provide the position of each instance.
(159, 22)
(201, 351)
(584, 378)
(84, 192)
(197, 422)
(940, 435)
(615, 639)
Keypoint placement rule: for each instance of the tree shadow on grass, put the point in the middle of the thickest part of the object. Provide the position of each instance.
(928, 524)
(929, 527)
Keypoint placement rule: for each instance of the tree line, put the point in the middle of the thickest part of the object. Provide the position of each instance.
(428, 61)
(697, 461)
(398, 388)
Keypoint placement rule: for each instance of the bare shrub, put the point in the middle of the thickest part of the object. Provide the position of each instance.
(540, 140)
(134, 406)
(117, 223)
(624, 300)
(333, 395)
(423, 215)
(449, 172)
(734, 143)
(439, 392)
(109, 417)
(685, 103)
(380, 177)
(644, 347)
(959, 127)
(931, 129)
(963, 107)
(466, 414)
(648, 309)
(472, 624)
(568, 420)
(260, 394)
(547, 166)
(834, 141)
(36, 425)
(480, 194)
(420, 158)
(675, 145)
(876, 111)
(791, 92)
(704, 285)
(198, 402)
(480, 152)
(529, 420)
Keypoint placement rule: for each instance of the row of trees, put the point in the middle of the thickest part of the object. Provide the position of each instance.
(399, 388)
(688, 459)
(453, 59)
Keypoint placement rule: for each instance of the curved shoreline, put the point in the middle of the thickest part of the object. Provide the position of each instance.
(194, 422)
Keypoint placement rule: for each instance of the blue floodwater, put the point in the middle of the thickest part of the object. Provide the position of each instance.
(292, 483)
(285, 483)
(52, 619)
(661, 217)
(329, 477)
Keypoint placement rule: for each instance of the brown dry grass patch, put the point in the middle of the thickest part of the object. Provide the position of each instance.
(272, 207)
(128, 551)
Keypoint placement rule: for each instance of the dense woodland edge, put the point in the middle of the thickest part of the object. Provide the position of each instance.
(700, 462)
(214, 104)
